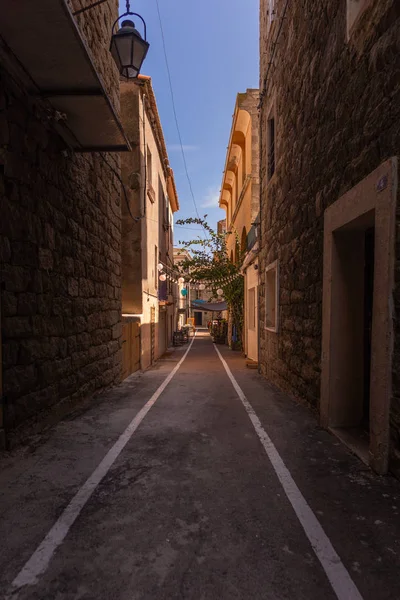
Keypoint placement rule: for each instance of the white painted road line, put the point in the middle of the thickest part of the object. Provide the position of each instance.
(339, 578)
(40, 559)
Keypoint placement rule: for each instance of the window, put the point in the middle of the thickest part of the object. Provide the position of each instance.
(252, 308)
(271, 297)
(243, 146)
(149, 170)
(354, 10)
(243, 242)
(149, 167)
(156, 260)
(271, 146)
(271, 12)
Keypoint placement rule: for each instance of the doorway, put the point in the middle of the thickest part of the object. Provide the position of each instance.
(357, 322)
(352, 313)
(369, 257)
(198, 318)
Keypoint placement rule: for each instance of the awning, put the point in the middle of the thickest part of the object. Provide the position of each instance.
(209, 306)
(45, 39)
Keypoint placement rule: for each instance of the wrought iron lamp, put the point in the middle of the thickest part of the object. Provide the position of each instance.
(127, 47)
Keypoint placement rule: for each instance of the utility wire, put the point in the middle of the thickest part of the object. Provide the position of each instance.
(174, 109)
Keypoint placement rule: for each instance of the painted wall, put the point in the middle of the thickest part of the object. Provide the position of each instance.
(251, 282)
(150, 240)
(240, 192)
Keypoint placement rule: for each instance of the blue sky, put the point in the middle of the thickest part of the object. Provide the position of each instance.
(212, 49)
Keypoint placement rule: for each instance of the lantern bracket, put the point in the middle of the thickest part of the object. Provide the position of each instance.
(128, 13)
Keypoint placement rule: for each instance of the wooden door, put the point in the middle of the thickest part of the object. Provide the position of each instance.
(153, 333)
(130, 349)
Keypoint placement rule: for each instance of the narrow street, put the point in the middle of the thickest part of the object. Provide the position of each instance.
(191, 506)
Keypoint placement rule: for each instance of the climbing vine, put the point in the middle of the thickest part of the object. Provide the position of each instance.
(210, 264)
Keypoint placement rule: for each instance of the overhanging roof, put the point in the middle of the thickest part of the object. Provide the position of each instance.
(45, 39)
(209, 306)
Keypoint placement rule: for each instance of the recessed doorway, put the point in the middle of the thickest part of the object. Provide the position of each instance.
(359, 233)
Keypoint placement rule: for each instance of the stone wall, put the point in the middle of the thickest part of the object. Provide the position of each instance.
(337, 111)
(60, 237)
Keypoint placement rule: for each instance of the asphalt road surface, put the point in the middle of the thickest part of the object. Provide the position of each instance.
(195, 480)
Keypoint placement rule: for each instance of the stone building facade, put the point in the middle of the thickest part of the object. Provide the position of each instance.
(330, 135)
(60, 224)
(147, 226)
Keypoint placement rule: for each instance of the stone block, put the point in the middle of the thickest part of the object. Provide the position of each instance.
(17, 327)
(24, 254)
(19, 380)
(4, 130)
(16, 279)
(101, 336)
(54, 370)
(10, 351)
(75, 325)
(9, 304)
(117, 331)
(46, 260)
(48, 326)
(73, 286)
(5, 250)
(27, 303)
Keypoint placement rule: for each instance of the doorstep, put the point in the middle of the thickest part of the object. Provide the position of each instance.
(251, 364)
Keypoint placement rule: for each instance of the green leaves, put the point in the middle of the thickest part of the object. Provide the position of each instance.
(210, 263)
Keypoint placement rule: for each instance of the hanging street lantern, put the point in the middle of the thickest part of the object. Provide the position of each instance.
(127, 47)
(160, 267)
(181, 280)
(163, 277)
(184, 293)
(220, 292)
(202, 287)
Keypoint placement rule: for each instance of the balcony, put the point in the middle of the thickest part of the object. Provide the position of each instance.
(43, 38)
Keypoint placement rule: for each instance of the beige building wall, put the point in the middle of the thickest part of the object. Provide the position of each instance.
(147, 240)
(240, 200)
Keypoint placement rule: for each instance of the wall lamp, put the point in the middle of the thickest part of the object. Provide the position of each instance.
(127, 46)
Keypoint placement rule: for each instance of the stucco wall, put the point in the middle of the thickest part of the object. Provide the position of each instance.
(242, 174)
(60, 233)
(131, 168)
(140, 275)
(337, 118)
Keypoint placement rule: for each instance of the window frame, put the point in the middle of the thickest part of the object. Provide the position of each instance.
(271, 13)
(251, 313)
(274, 266)
(271, 146)
(149, 167)
(270, 114)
